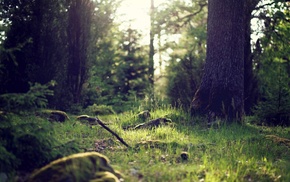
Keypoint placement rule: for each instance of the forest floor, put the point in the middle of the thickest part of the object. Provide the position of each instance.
(189, 150)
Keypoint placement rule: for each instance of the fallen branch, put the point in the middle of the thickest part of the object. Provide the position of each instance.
(95, 119)
(108, 129)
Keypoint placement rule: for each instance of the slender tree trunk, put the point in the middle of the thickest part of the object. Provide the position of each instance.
(221, 93)
(79, 28)
(250, 82)
(151, 51)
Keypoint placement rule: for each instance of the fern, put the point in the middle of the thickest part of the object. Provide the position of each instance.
(34, 98)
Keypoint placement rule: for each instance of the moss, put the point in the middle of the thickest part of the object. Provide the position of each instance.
(104, 177)
(278, 139)
(80, 167)
(53, 115)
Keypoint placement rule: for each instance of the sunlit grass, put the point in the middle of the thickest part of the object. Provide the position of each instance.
(232, 152)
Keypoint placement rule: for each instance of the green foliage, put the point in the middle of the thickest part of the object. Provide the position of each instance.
(28, 143)
(8, 161)
(119, 74)
(184, 70)
(131, 68)
(33, 43)
(272, 67)
(275, 108)
(36, 97)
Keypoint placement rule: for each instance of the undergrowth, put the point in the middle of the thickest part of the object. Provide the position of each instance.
(235, 152)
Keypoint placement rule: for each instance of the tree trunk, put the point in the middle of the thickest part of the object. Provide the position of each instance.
(79, 28)
(250, 83)
(151, 48)
(221, 93)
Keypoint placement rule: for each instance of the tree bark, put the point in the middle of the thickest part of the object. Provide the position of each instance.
(221, 93)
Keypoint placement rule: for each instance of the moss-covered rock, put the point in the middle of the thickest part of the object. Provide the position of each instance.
(53, 115)
(83, 117)
(87, 119)
(104, 177)
(154, 123)
(82, 167)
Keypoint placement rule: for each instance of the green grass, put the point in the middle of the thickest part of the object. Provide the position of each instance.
(232, 152)
(235, 152)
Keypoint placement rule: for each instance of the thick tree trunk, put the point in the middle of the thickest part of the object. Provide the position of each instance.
(221, 93)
